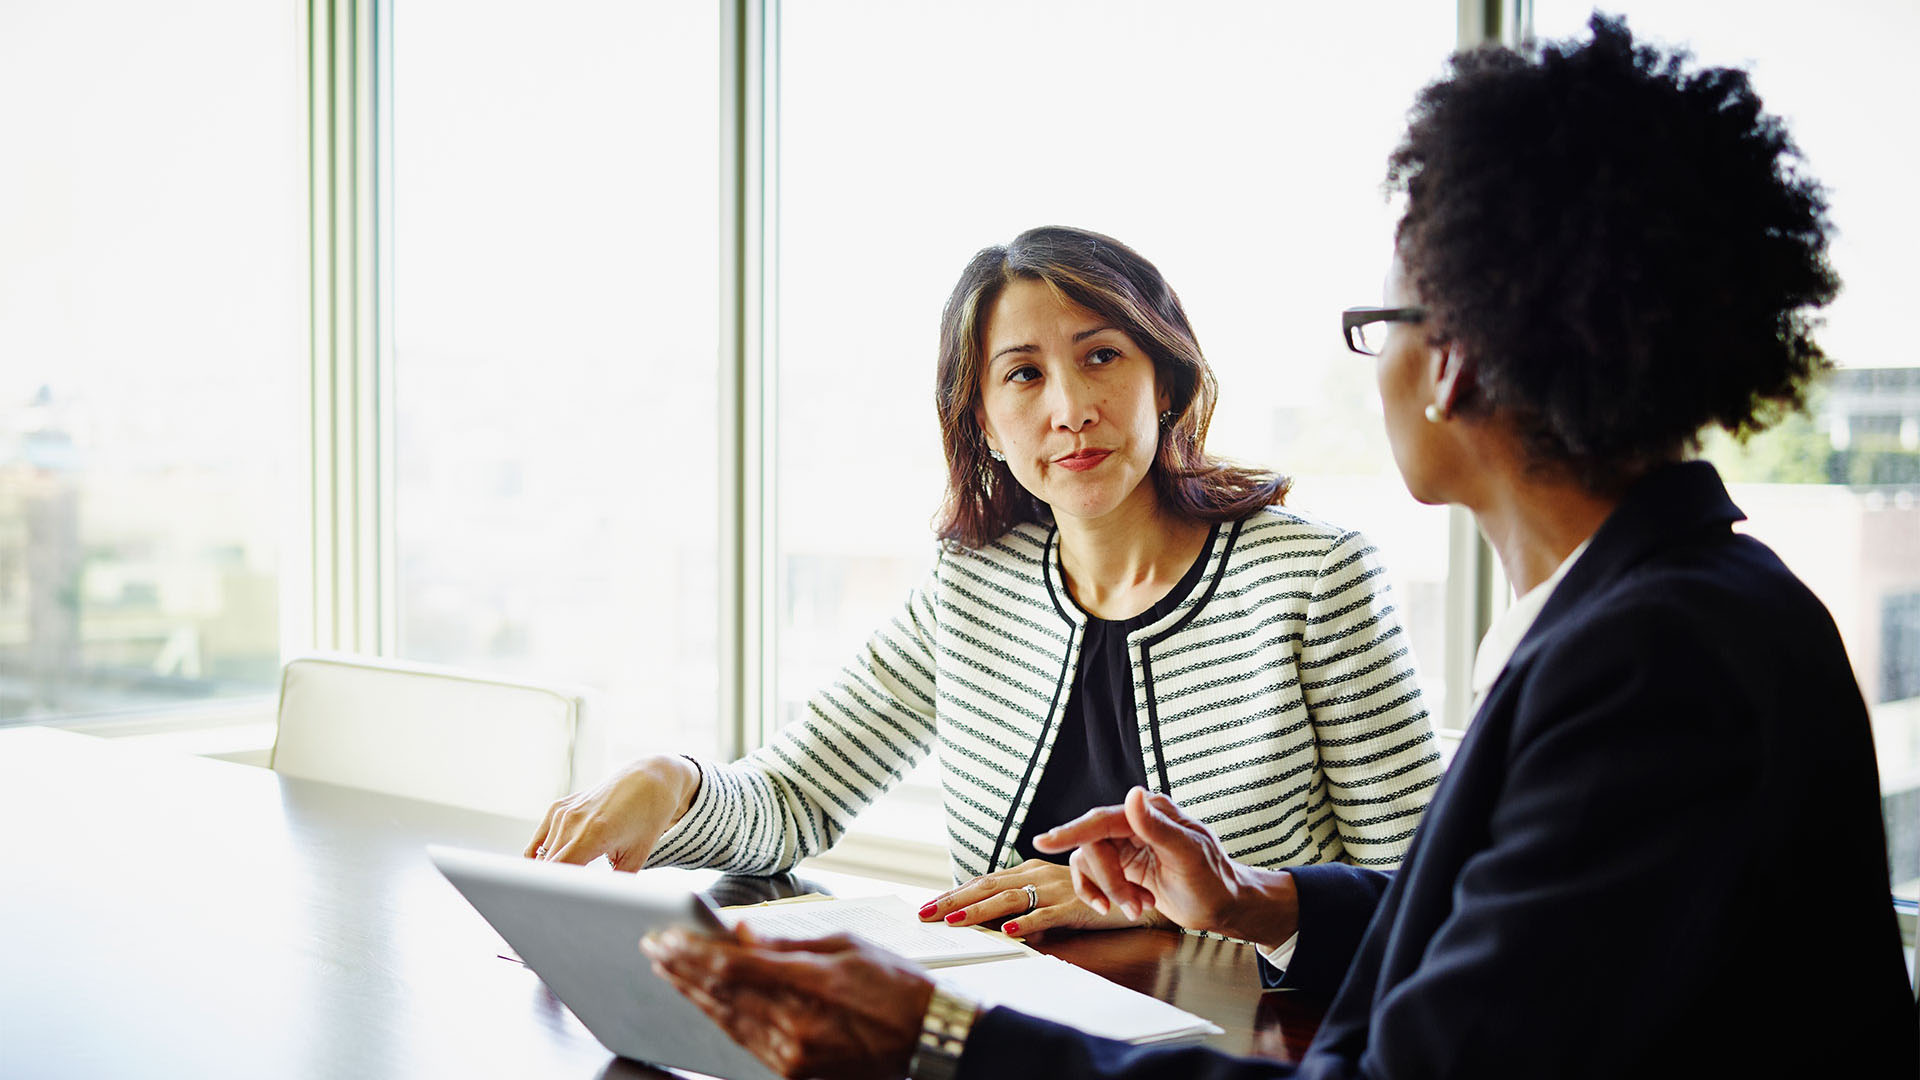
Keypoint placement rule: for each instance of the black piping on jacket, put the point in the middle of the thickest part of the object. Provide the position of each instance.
(1146, 660)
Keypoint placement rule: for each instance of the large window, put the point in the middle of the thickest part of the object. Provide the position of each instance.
(555, 209)
(1183, 130)
(152, 326)
(1837, 493)
(554, 467)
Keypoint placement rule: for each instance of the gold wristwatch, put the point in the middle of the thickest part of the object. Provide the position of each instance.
(943, 1035)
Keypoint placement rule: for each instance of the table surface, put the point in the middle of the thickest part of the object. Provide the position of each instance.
(164, 915)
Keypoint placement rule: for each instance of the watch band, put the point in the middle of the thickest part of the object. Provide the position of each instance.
(943, 1036)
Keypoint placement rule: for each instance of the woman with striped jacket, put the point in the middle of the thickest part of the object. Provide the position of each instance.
(1110, 607)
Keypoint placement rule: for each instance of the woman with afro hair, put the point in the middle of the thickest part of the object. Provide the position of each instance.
(1661, 837)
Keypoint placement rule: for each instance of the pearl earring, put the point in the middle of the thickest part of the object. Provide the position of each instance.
(1435, 414)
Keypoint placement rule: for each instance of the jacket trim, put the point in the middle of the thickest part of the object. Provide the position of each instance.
(1039, 745)
(1146, 660)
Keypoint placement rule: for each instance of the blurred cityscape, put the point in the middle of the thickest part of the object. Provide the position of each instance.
(128, 583)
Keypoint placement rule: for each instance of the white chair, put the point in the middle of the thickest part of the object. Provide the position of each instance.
(431, 733)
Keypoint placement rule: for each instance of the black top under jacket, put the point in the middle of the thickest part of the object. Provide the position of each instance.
(1096, 756)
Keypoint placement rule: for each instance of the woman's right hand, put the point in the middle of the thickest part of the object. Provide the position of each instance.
(622, 818)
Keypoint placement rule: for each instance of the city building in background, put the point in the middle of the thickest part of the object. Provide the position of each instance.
(125, 585)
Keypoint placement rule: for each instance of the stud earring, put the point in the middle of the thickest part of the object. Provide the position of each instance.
(995, 454)
(1166, 418)
(1435, 414)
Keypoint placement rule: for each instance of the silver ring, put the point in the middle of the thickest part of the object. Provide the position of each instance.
(1033, 898)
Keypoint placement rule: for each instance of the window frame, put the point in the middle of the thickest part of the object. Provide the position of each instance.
(349, 602)
(338, 581)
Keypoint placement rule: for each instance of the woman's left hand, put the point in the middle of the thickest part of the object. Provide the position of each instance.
(1000, 895)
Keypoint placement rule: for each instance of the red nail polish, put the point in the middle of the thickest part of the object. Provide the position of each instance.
(956, 916)
(1011, 928)
(927, 912)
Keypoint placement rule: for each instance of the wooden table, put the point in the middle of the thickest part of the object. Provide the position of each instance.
(164, 915)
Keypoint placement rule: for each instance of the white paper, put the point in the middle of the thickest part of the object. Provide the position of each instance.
(1058, 991)
(886, 921)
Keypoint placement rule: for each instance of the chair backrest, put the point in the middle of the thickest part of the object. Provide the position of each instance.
(428, 733)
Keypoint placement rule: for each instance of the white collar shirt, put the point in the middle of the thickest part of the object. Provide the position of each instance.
(1504, 636)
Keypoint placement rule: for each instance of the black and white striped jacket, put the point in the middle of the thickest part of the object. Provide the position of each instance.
(1278, 702)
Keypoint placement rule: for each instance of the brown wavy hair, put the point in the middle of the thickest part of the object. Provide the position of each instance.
(1112, 280)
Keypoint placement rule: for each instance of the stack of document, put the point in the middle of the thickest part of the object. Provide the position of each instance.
(986, 966)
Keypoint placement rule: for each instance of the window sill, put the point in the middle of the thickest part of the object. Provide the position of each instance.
(866, 854)
(899, 838)
(240, 731)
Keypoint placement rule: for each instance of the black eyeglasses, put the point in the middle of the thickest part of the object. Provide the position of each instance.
(1366, 327)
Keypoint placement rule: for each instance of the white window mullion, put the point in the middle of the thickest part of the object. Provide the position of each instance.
(1507, 21)
(747, 582)
(350, 594)
(1476, 591)
(379, 615)
(766, 204)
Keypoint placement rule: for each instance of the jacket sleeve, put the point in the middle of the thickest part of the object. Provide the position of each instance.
(1336, 904)
(1007, 1045)
(1370, 723)
(1586, 917)
(795, 796)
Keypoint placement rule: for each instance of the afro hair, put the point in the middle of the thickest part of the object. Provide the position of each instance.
(1621, 243)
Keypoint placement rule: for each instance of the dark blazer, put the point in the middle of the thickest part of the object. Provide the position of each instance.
(1658, 851)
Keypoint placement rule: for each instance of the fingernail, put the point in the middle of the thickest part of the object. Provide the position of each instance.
(956, 916)
(927, 912)
(1132, 911)
(1011, 928)
(1100, 906)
